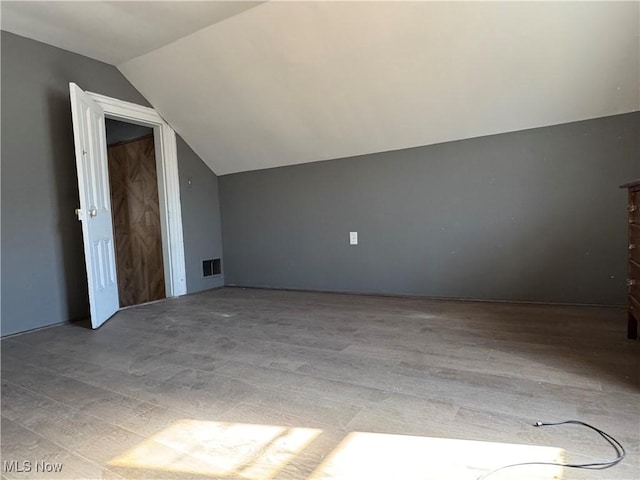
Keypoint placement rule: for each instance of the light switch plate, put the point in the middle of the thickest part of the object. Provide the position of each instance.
(353, 238)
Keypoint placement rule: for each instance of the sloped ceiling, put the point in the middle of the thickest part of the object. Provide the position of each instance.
(292, 82)
(112, 32)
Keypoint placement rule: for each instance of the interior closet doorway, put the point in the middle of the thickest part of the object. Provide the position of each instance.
(135, 211)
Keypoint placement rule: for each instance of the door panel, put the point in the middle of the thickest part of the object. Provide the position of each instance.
(136, 221)
(95, 205)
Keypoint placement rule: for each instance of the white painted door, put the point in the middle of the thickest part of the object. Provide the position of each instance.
(95, 205)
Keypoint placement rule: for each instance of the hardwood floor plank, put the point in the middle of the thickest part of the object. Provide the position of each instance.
(45, 459)
(320, 388)
(90, 399)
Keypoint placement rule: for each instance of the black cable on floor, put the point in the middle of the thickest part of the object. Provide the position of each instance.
(617, 446)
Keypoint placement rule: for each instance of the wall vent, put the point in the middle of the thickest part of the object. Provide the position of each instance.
(211, 267)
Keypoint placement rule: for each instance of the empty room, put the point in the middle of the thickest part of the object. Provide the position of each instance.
(320, 240)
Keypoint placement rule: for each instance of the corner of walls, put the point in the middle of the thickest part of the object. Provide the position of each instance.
(201, 222)
(43, 271)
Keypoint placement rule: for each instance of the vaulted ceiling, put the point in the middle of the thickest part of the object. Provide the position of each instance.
(259, 85)
(116, 31)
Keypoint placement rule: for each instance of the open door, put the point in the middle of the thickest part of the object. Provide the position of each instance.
(95, 205)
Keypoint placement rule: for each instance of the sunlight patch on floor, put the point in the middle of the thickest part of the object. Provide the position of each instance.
(377, 456)
(237, 450)
(259, 452)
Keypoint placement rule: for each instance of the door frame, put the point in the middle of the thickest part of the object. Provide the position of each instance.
(166, 152)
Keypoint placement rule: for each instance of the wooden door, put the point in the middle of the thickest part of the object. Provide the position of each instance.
(136, 221)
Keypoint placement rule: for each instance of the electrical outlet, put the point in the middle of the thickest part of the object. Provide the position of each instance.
(353, 238)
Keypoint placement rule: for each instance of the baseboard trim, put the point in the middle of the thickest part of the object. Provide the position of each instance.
(57, 324)
(427, 297)
(339, 292)
(31, 330)
(218, 287)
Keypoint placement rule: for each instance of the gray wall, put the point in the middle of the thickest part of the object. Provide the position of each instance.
(535, 215)
(43, 271)
(202, 240)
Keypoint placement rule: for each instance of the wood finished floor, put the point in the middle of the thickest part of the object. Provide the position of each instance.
(335, 363)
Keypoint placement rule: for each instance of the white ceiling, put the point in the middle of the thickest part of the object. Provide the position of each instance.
(294, 82)
(113, 32)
